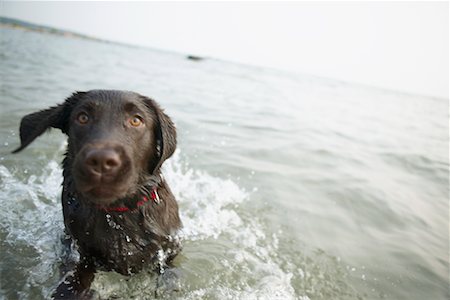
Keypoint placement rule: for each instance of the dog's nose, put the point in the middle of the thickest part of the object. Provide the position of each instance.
(103, 161)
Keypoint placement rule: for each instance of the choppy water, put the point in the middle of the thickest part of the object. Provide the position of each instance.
(290, 186)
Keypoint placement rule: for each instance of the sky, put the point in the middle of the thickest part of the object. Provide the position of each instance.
(403, 46)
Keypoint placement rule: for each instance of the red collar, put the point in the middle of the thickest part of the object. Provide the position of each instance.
(153, 196)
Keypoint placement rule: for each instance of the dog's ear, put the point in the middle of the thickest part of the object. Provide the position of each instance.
(35, 124)
(165, 132)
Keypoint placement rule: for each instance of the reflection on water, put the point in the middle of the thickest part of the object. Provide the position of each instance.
(290, 186)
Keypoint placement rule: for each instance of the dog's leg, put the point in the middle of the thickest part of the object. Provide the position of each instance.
(76, 283)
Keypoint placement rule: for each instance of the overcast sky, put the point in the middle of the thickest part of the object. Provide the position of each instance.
(399, 45)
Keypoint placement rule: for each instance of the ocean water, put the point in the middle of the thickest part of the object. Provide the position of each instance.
(290, 186)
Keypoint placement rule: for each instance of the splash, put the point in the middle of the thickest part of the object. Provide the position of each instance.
(32, 220)
(207, 202)
(244, 267)
(210, 208)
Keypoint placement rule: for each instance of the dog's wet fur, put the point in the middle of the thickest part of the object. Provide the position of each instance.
(117, 142)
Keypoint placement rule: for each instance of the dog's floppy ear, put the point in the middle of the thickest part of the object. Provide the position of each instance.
(35, 124)
(165, 132)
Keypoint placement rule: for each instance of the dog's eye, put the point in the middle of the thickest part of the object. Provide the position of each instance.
(136, 121)
(82, 118)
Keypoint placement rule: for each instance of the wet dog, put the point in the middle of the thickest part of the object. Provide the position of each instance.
(118, 210)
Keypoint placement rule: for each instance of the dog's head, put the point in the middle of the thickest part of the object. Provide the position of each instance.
(117, 139)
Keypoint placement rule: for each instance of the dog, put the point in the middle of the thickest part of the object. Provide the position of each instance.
(119, 212)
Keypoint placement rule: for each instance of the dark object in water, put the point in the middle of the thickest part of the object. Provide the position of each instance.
(118, 210)
(195, 58)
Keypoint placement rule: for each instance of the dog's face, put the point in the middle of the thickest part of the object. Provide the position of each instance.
(113, 143)
(116, 140)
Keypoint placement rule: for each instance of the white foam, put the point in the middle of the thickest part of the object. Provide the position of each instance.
(31, 215)
(206, 202)
(209, 207)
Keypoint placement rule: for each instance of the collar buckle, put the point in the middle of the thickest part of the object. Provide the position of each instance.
(155, 196)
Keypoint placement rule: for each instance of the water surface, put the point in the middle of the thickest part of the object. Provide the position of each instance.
(290, 186)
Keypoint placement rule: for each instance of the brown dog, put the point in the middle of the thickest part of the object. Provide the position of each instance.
(118, 210)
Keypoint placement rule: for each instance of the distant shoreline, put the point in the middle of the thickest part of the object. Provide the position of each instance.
(22, 25)
(27, 26)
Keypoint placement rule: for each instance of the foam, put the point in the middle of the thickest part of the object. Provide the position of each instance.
(206, 202)
(31, 216)
(209, 208)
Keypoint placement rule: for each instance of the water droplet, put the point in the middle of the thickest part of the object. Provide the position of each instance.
(111, 223)
(301, 273)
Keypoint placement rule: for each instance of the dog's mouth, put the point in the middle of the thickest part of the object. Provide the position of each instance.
(101, 189)
(103, 172)
(105, 193)
(102, 194)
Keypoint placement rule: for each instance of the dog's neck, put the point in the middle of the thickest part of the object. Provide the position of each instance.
(154, 198)
(146, 194)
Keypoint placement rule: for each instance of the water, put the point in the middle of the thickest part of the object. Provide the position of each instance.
(290, 186)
